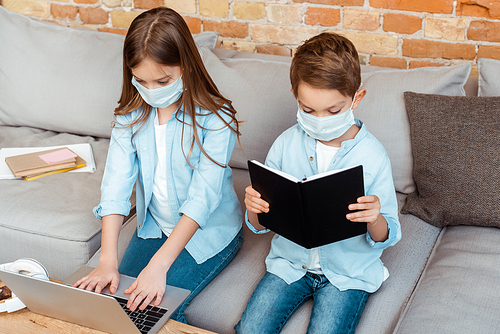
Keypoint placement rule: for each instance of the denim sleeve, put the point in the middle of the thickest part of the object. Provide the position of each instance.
(120, 173)
(207, 182)
(383, 187)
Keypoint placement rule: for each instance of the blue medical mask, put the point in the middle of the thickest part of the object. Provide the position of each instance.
(328, 127)
(160, 97)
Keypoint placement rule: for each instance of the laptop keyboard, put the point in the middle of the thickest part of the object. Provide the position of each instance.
(145, 319)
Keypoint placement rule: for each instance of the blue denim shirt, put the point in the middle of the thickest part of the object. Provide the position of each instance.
(205, 194)
(348, 264)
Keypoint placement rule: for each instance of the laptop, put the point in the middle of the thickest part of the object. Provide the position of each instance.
(106, 312)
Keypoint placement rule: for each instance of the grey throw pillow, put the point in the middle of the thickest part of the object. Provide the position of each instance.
(260, 92)
(489, 77)
(455, 141)
(383, 109)
(61, 79)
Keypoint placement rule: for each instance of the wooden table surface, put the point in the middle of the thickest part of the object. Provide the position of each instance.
(25, 321)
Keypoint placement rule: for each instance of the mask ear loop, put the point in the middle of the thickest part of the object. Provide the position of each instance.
(354, 99)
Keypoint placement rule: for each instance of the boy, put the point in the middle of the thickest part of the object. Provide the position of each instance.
(325, 76)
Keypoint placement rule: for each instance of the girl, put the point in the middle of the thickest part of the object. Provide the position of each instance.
(173, 137)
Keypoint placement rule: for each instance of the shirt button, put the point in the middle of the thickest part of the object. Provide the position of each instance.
(304, 267)
(311, 158)
(140, 226)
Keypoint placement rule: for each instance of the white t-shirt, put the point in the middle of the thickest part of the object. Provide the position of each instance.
(159, 206)
(324, 157)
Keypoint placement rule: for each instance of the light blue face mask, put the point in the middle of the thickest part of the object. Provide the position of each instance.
(160, 97)
(328, 127)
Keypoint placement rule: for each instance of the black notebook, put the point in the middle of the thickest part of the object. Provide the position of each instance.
(310, 212)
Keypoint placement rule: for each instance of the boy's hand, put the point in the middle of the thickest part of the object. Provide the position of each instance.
(253, 202)
(369, 207)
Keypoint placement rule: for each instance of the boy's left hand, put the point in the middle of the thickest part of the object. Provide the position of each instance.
(369, 207)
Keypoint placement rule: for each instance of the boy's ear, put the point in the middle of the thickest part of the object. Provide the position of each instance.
(358, 97)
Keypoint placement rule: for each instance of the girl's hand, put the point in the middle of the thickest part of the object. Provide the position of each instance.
(369, 207)
(253, 202)
(99, 278)
(149, 285)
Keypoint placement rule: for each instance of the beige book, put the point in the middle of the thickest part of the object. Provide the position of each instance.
(79, 164)
(31, 163)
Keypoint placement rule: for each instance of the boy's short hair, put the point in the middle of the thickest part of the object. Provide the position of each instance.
(327, 61)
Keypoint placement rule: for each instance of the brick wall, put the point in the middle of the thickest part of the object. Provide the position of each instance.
(390, 33)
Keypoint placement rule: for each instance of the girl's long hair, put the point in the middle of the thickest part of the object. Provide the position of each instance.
(163, 36)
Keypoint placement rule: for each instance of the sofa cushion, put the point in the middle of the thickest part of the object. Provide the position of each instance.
(489, 78)
(50, 219)
(458, 292)
(61, 79)
(455, 149)
(57, 78)
(259, 85)
(383, 108)
(405, 261)
(260, 91)
(229, 292)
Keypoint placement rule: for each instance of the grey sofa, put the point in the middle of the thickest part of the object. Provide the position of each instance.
(60, 86)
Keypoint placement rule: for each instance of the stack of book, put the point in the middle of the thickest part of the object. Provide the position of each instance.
(35, 165)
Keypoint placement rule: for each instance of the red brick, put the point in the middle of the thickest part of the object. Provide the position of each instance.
(489, 51)
(148, 4)
(362, 20)
(91, 15)
(479, 8)
(242, 46)
(474, 72)
(388, 62)
(420, 48)
(335, 2)
(227, 29)
(114, 30)
(281, 34)
(63, 11)
(484, 31)
(274, 50)
(194, 24)
(402, 24)
(418, 63)
(327, 17)
(88, 2)
(467, 9)
(428, 6)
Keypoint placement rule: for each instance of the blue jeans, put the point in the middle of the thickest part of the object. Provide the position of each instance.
(274, 301)
(184, 272)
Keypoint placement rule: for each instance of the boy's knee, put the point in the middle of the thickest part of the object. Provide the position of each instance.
(258, 324)
(247, 327)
